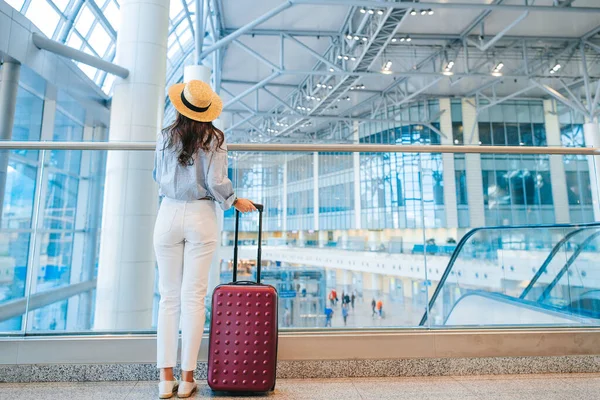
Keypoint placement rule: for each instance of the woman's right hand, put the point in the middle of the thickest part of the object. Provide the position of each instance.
(244, 205)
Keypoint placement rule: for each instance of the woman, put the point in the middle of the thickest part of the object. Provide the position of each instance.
(191, 171)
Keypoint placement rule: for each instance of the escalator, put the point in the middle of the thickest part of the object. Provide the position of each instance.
(521, 275)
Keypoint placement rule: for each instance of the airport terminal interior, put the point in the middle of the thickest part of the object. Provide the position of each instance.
(429, 170)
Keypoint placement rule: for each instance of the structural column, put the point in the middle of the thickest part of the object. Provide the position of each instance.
(284, 226)
(473, 166)
(316, 190)
(560, 196)
(124, 298)
(450, 202)
(9, 86)
(591, 131)
(356, 171)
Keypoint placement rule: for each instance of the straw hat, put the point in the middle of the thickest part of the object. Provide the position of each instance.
(196, 100)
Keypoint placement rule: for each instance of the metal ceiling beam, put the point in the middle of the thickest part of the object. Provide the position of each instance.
(41, 42)
(262, 19)
(558, 96)
(199, 31)
(332, 118)
(500, 34)
(278, 32)
(313, 53)
(450, 6)
(251, 89)
(255, 54)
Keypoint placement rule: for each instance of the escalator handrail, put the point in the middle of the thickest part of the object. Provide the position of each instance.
(506, 299)
(548, 260)
(464, 241)
(565, 267)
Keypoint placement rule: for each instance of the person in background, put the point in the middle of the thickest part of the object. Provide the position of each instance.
(287, 318)
(190, 167)
(345, 313)
(332, 298)
(328, 316)
(380, 308)
(373, 306)
(353, 298)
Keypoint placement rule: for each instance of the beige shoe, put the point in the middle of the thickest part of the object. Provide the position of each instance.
(166, 389)
(186, 389)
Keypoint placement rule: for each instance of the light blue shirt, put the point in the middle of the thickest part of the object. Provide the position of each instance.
(206, 177)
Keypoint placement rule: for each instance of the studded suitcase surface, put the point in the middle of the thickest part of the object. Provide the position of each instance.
(243, 332)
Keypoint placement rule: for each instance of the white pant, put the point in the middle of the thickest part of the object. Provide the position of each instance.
(185, 238)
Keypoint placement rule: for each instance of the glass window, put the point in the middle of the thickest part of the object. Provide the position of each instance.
(43, 16)
(175, 7)
(16, 4)
(461, 187)
(498, 134)
(526, 134)
(485, 133)
(74, 40)
(579, 187)
(99, 40)
(512, 134)
(84, 21)
(113, 15)
(544, 188)
(496, 189)
(61, 4)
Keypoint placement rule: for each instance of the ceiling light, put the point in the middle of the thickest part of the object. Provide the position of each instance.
(402, 39)
(365, 39)
(423, 12)
(413, 12)
(408, 39)
(331, 69)
(307, 97)
(351, 87)
(318, 99)
(349, 37)
(447, 72)
(499, 67)
(363, 11)
(318, 85)
(387, 67)
(308, 109)
(356, 38)
(430, 11)
(348, 98)
(299, 108)
(340, 57)
(394, 40)
(380, 12)
(346, 58)
(555, 69)
(371, 12)
(329, 87)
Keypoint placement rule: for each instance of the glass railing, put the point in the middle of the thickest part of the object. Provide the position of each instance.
(388, 232)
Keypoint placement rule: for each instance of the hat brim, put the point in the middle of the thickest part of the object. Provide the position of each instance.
(213, 112)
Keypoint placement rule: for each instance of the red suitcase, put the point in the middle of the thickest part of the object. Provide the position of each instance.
(243, 330)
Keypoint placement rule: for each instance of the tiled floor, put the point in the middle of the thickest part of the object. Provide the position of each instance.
(502, 387)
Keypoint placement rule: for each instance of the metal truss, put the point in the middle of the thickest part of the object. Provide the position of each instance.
(314, 101)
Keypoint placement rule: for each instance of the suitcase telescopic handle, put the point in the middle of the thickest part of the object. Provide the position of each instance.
(260, 209)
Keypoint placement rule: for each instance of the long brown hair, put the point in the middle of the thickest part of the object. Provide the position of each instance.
(188, 136)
